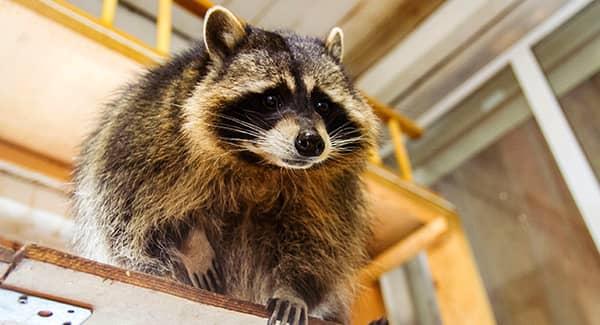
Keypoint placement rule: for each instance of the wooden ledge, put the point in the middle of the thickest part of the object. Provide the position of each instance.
(35, 253)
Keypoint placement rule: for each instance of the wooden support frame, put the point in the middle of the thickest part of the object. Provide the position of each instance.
(404, 250)
(109, 8)
(196, 7)
(93, 28)
(163, 26)
(385, 113)
(400, 149)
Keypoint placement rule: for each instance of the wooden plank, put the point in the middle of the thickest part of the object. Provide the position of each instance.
(459, 289)
(404, 250)
(10, 245)
(377, 26)
(399, 208)
(163, 26)
(197, 7)
(368, 304)
(115, 302)
(400, 150)
(386, 113)
(34, 161)
(93, 28)
(109, 8)
(64, 275)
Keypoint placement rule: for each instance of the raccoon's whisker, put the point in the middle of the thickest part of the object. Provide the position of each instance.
(254, 119)
(242, 131)
(339, 128)
(348, 140)
(240, 122)
(234, 140)
(342, 133)
(340, 143)
(235, 129)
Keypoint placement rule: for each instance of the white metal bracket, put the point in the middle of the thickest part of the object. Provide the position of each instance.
(20, 308)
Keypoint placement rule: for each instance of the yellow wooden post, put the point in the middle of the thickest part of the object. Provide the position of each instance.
(163, 26)
(109, 7)
(375, 158)
(399, 149)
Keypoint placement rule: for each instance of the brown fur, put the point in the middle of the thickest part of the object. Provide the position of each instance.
(154, 174)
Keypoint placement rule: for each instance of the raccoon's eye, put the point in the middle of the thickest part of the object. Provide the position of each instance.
(322, 106)
(271, 101)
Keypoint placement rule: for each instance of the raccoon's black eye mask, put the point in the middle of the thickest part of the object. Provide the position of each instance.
(249, 117)
(289, 127)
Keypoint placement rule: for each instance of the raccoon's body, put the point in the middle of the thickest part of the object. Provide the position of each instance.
(235, 167)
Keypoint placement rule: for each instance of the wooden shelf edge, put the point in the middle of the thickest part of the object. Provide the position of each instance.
(79, 264)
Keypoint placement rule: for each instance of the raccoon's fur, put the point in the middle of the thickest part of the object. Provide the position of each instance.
(235, 167)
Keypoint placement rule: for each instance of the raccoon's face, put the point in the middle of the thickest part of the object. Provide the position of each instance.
(280, 99)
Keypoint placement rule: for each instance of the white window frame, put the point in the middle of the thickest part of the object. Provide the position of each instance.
(564, 146)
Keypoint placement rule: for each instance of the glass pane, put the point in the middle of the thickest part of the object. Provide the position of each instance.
(536, 257)
(570, 58)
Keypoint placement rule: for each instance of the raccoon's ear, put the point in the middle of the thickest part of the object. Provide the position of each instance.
(335, 43)
(222, 32)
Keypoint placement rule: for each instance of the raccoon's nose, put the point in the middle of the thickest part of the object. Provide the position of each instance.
(309, 143)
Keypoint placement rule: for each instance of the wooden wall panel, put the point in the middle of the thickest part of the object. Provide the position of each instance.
(374, 27)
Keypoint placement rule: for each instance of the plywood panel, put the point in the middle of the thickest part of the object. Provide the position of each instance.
(41, 92)
(375, 27)
(119, 296)
(461, 295)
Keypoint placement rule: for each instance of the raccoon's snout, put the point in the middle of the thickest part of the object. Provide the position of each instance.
(309, 143)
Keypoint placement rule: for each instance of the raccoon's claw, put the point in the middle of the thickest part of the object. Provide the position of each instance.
(287, 312)
(211, 280)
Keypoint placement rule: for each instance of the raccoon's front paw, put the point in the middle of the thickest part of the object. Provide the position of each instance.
(211, 280)
(292, 311)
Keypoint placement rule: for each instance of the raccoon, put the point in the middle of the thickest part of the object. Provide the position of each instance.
(235, 167)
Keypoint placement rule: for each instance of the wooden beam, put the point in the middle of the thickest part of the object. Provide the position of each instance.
(109, 8)
(163, 26)
(196, 7)
(34, 161)
(93, 28)
(377, 26)
(405, 249)
(459, 289)
(400, 149)
(386, 113)
(375, 158)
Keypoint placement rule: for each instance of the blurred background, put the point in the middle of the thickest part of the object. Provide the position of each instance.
(486, 182)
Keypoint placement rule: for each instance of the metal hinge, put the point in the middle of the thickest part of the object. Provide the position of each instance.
(19, 308)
